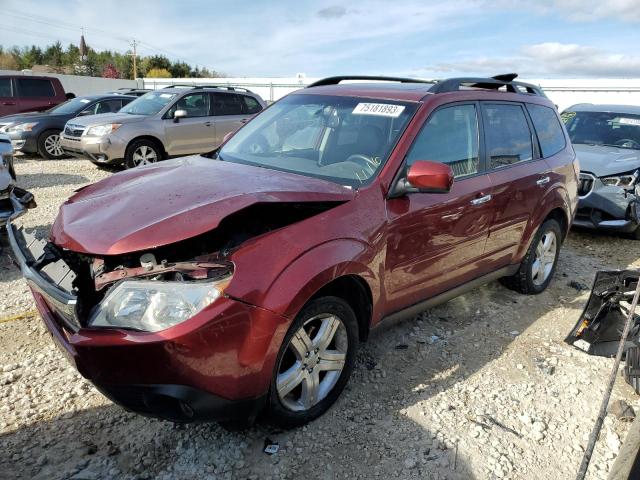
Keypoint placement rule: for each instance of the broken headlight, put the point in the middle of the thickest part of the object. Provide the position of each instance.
(626, 181)
(152, 306)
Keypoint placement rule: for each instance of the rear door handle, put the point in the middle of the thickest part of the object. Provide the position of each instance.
(244, 120)
(207, 124)
(543, 181)
(481, 200)
(8, 103)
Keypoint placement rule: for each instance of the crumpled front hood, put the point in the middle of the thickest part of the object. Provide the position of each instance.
(602, 161)
(104, 118)
(148, 207)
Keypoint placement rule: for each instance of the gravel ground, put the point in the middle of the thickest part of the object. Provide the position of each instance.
(481, 387)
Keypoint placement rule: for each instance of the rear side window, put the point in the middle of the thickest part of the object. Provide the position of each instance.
(226, 104)
(450, 136)
(507, 135)
(548, 129)
(251, 105)
(5, 87)
(108, 106)
(35, 87)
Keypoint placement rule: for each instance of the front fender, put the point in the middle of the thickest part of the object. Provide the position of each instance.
(301, 279)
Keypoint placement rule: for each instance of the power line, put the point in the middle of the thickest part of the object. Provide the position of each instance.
(95, 31)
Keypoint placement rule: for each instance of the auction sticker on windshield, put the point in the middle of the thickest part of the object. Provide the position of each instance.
(380, 109)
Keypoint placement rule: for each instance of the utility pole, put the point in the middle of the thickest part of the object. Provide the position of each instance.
(134, 44)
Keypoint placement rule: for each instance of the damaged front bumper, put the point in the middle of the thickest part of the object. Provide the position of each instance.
(599, 328)
(217, 365)
(606, 207)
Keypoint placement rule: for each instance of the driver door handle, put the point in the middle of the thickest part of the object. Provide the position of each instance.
(207, 124)
(543, 181)
(481, 200)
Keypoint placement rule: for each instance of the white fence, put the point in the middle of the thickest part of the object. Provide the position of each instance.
(563, 93)
(80, 85)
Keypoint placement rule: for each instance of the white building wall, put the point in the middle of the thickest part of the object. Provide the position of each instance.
(563, 93)
(80, 85)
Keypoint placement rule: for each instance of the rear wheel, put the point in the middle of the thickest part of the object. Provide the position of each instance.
(314, 362)
(636, 234)
(49, 145)
(142, 152)
(539, 264)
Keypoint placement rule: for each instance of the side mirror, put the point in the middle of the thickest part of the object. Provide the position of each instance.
(84, 113)
(178, 115)
(425, 177)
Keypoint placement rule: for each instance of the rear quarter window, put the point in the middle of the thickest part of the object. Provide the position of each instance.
(548, 128)
(35, 87)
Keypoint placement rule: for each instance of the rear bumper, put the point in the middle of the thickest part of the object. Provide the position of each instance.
(108, 150)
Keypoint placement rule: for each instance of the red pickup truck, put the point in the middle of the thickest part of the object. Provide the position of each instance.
(26, 93)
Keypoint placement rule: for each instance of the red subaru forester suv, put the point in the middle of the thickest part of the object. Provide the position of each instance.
(219, 286)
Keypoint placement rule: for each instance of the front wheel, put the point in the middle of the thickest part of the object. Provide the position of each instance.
(142, 152)
(49, 145)
(314, 362)
(539, 264)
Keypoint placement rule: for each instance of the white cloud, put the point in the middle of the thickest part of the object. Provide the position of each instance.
(549, 59)
(582, 10)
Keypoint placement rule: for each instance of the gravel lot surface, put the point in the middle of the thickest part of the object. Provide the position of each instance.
(481, 387)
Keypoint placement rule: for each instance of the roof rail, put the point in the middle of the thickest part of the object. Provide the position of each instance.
(493, 83)
(337, 80)
(223, 87)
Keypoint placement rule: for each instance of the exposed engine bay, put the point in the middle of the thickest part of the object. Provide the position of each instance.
(201, 258)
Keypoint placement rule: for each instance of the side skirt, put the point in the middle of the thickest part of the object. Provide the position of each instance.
(419, 307)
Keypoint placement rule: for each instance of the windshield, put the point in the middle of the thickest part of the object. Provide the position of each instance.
(620, 130)
(71, 106)
(148, 104)
(341, 139)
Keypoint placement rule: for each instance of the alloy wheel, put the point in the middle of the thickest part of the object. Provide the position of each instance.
(545, 258)
(52, 145)
(144, 155)
(312, 363)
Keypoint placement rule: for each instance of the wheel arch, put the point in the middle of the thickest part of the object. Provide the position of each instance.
(150, 138)
(339, 268)
(354, 290)
(554, 204)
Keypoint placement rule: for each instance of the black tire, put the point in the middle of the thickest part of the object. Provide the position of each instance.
(278, 413)
(47, 142)
(523, 280)
(635, 235)
(136, 147)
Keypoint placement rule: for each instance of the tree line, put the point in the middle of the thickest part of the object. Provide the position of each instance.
(105, 63)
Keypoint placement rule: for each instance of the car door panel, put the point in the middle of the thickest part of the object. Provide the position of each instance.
(8, 97)
(514, 169)
(436, 241)
(35, 94)
(516, 195)
(194, 133)
(228, 116)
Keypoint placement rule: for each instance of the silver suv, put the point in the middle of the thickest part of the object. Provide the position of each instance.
(163, 123)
